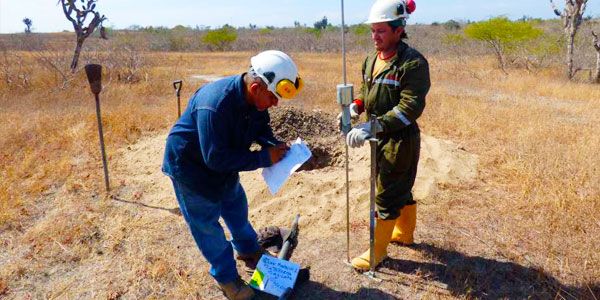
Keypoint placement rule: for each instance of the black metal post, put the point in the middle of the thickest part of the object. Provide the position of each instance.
(101, 135)
(94, 74)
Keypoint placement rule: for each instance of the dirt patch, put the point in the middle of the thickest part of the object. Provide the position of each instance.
(317, 128)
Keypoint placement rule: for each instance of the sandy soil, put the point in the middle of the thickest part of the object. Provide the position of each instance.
(319, 197)
(135, 244)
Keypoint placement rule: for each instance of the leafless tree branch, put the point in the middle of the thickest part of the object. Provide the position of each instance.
(77, 16)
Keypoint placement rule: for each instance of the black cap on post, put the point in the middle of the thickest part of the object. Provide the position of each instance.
(94, 75)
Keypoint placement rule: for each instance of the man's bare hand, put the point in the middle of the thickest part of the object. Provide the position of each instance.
(278, 152)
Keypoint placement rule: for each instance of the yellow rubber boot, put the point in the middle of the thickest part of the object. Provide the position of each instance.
(405, 225)
(383, 234)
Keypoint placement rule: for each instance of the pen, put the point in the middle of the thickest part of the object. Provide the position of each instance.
(266, 141)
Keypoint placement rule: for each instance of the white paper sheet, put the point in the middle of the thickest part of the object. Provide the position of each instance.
(276, 175)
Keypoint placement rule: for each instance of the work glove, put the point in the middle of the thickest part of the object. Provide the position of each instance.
(354, 114)
(360, 133)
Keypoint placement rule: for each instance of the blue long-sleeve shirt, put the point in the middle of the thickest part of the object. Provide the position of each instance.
(209, 144)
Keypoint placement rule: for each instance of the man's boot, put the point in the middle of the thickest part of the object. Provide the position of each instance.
(405, 225)
(236, 290)
(383, 234)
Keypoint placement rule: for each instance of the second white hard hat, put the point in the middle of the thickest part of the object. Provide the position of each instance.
(390, 10)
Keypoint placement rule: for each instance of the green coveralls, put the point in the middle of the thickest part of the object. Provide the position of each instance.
(397, 97)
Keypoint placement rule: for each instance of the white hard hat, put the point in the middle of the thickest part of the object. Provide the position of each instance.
(279, 72)
(390, 10)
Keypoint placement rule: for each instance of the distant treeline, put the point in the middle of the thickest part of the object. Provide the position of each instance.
(322, 37)
(446, 39)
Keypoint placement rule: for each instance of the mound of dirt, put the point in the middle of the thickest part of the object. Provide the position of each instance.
(317, 128)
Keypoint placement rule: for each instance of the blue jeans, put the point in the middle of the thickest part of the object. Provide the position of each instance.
(202, 216)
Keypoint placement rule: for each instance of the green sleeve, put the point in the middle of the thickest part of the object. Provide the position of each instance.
(362, 92)
(415, 84)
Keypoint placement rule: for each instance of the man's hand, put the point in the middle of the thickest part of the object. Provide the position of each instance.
(357, 137)
(277, 152)
(360, 133)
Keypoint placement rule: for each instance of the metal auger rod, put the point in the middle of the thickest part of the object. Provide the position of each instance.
(344, 128)
(373, 144)
(347, 209)
(343, 44)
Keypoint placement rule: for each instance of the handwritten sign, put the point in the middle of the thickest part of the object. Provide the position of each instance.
(274, 276)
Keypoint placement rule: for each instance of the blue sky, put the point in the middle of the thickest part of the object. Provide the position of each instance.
(47, 16)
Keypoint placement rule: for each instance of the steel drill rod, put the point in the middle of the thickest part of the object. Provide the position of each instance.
(347, 210)
(347, 155)
(373, 144)
(101, 135)
(343, 45)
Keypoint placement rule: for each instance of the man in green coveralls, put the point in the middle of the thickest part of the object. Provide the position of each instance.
(395, 84)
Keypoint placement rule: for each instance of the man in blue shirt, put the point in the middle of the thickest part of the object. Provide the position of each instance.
(210, 144)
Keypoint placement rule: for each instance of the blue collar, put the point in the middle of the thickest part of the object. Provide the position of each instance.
(239, 87)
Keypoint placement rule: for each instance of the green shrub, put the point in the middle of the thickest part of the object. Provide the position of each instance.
(220, 39)
(502, 32)
(316, 32)
(265, 30)
(361, 29)
(502, 35)
(453, 39)
(452, 25)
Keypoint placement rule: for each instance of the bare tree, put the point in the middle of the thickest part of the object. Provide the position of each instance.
(28, 23)
(572, 17)
(78, 17)
(596, 42)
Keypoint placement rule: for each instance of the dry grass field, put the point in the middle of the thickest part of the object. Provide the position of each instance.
(527, 226)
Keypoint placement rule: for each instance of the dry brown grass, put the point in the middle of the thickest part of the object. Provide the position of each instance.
(534, 204)
(537, 138)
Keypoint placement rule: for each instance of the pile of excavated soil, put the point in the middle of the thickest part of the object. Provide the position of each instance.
(317, 128)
